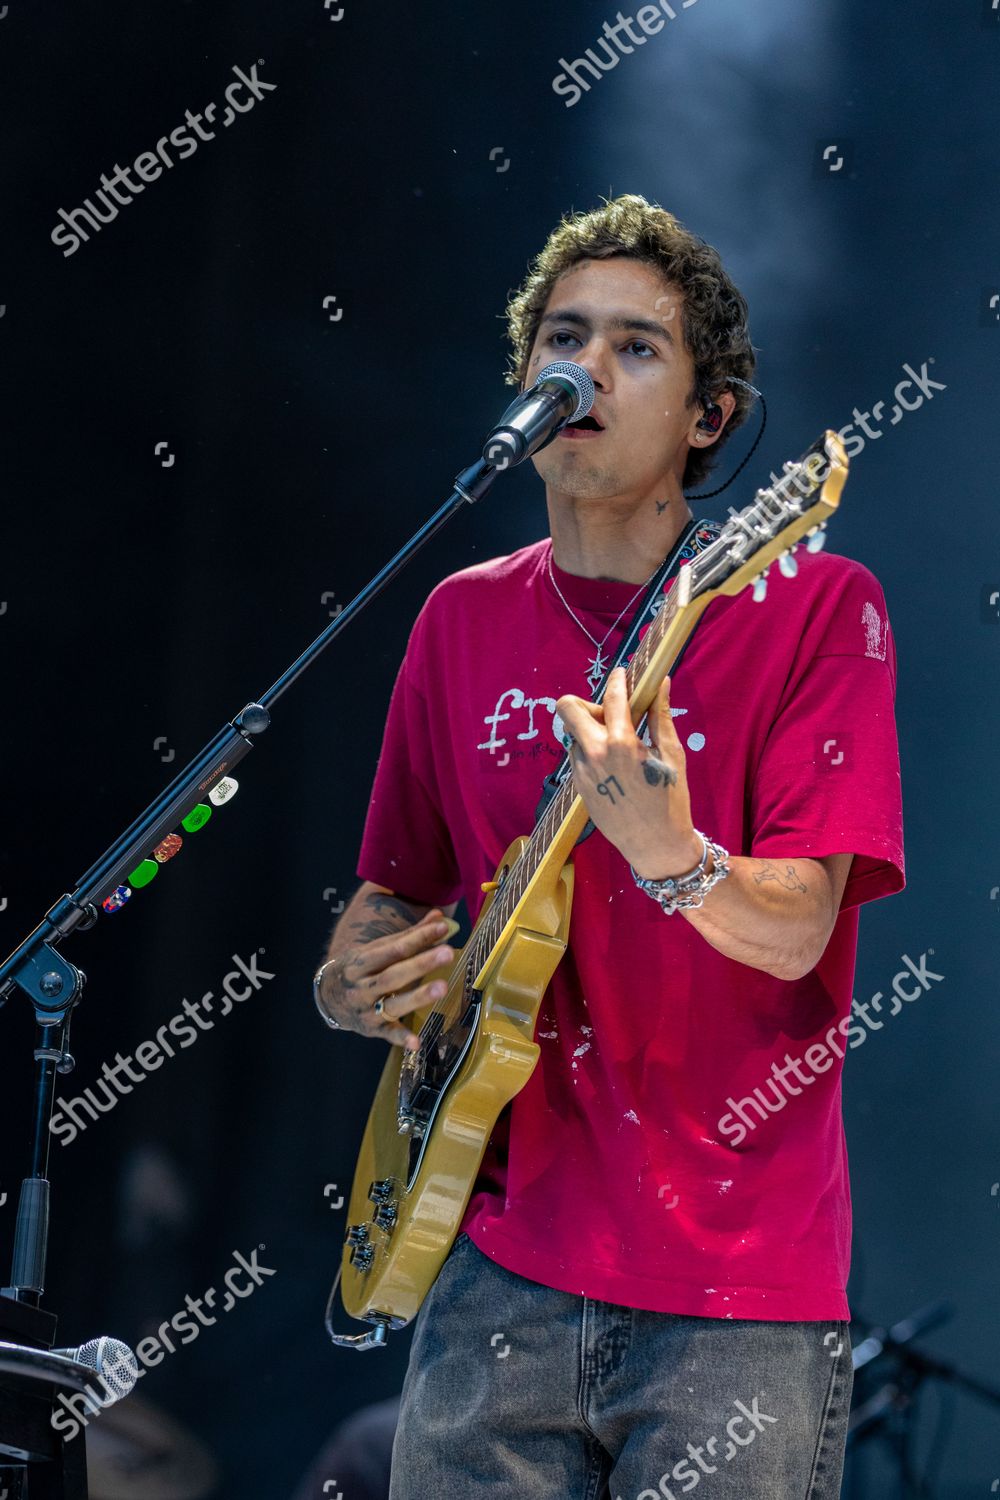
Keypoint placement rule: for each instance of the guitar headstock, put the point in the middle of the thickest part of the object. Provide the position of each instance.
(798, 505)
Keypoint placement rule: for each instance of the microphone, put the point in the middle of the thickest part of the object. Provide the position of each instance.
(111, 1360)
(563, 392)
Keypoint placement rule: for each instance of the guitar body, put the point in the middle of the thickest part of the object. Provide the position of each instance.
(426, 1135)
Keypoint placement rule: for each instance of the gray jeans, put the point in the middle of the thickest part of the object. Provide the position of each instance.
(519, 1392)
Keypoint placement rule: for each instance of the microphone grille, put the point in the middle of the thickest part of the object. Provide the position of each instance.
(578, 378)
(113, 1361)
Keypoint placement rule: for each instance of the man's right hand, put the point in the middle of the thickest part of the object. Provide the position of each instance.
(394, 967)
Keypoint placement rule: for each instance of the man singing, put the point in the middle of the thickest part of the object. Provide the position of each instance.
(648, 1287)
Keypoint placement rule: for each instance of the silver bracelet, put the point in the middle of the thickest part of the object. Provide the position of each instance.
(317, 981)
(691, 889)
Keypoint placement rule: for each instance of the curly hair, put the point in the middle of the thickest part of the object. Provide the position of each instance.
(714, 314)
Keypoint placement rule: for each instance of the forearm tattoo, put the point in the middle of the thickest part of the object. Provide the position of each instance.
(787, 878)
(657, 774)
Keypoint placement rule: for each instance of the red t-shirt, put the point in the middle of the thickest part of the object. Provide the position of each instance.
(620, 1171)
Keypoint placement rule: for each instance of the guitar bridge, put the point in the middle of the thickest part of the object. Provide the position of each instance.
(411, 1124)
(425, 1074)
(410, 1120)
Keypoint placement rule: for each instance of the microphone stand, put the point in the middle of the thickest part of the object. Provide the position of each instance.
(889, 1411)
(54, 985)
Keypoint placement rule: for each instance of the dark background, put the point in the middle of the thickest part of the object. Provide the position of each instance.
(144, 601)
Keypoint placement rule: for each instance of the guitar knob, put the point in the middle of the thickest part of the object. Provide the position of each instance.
(357, 1235)
(760, 587)
(788, 564)
(817, 540)
(385, 1216)
(362, 1257)
(380, 1191)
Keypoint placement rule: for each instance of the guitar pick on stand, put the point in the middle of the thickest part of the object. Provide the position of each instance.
(149, 868)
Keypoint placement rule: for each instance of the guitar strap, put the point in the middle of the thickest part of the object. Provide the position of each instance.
(697, 536)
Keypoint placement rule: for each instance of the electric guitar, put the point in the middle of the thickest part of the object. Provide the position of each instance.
(435, 1107)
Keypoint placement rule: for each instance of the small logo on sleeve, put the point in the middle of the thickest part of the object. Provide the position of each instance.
(876, 631)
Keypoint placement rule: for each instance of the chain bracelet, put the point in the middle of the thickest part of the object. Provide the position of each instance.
(688, 890)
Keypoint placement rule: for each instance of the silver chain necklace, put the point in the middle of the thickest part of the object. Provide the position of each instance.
(598, 666)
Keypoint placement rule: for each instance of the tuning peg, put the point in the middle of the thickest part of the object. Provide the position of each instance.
(788, 564)
(760, 586)
(817, 539)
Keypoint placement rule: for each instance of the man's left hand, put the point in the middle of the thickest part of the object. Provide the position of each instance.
(636, 796)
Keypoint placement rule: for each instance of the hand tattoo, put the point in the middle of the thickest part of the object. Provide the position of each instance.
(384, 916)
(657, 774)
(384, 912)
(789, 879)
(661, 508)
(367, 932)
(604, 788)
